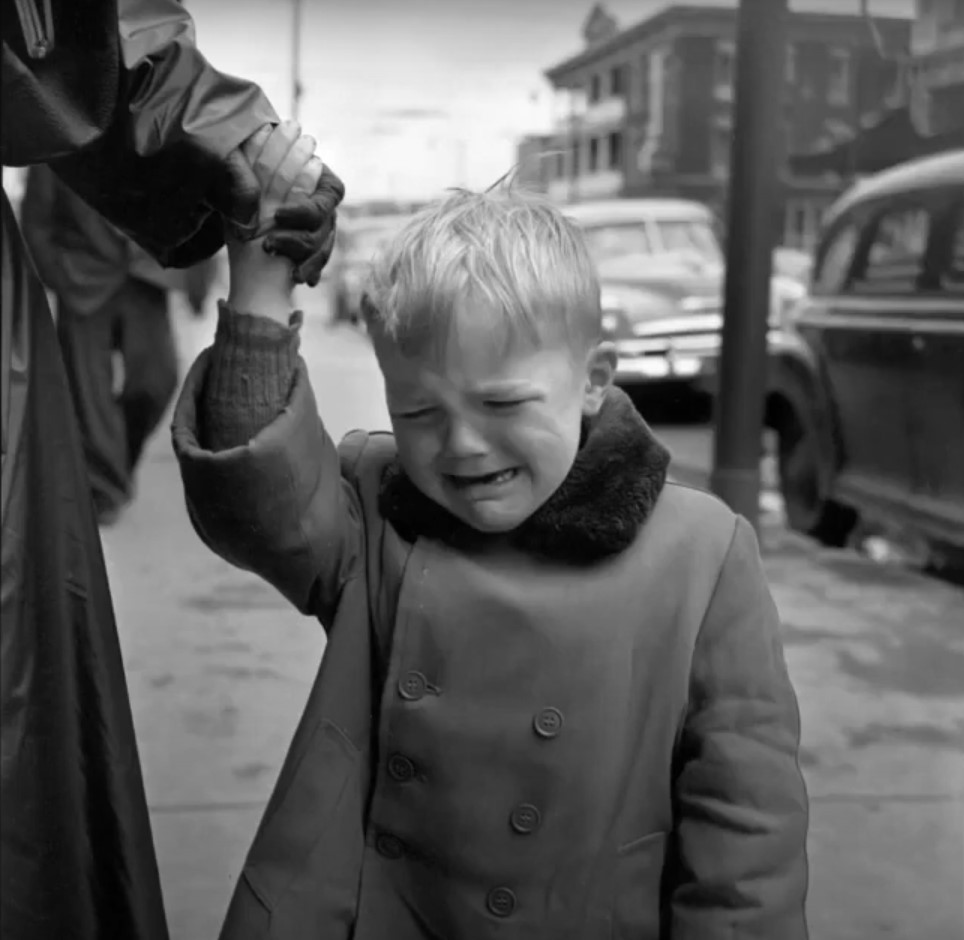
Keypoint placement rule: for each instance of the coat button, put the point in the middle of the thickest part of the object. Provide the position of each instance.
(548, 723)
(389, 846)
(501, 902)
(525, 818)
(412, 686)
(400, 768)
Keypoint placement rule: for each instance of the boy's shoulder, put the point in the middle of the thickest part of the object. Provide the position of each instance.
(688, 516)
(364, 455)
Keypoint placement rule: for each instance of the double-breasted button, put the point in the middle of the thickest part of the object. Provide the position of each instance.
(500, 901)
(548, 722)
(400, 768)
(525, 818)
(412, 686)
(389, 846)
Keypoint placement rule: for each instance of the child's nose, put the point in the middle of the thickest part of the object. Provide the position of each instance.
(464, 440)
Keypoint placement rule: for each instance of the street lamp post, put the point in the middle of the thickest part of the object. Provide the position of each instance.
(296, 88)
(761, 53)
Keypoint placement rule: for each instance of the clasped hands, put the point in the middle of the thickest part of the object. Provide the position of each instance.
(276, 173)
(298, 196)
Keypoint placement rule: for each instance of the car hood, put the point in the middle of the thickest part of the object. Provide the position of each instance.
(673, 281)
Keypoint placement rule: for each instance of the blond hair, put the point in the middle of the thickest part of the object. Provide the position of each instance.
(510, 254)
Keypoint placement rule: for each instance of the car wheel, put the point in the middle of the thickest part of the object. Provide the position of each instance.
(807, 506)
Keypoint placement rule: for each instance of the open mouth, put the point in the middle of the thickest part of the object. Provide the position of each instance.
(485, 479)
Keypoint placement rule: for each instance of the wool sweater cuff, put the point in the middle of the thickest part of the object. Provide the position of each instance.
(250, 370)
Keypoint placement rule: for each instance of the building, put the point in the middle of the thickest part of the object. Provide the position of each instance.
(937, 66)
(648, 110)
(534, 162)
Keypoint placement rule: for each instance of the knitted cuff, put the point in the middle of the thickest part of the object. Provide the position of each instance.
(251, 367)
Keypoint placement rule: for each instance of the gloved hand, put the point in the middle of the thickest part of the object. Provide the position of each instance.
(305, 228)
(302, 227)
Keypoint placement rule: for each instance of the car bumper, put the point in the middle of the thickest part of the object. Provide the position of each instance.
(674, 360)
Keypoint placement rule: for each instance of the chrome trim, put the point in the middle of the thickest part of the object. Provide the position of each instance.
(913, 313)
(690, 323)
(907, 324)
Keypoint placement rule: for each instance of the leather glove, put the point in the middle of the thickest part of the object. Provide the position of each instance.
(305, 228)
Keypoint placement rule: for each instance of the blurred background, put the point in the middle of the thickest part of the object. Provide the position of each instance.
(625, 113)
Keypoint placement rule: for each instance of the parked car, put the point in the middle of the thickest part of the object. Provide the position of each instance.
(662, 273)
(360, 240)
(867, 392)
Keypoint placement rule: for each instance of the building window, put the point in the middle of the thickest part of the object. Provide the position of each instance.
(576, 162)
(644, 81)
(617, 82)
(724, 73)
(791, 64)
(560, 165)
(616, 150)
(595, 89)
(593, 154)
(720, 143)
(838, 79)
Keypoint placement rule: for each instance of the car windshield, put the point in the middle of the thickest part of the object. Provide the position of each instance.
(686, 238)
(689, 236)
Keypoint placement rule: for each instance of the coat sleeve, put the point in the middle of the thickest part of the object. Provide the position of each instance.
(155, 170)
(741, 802)
(279, 505)
(38, 227)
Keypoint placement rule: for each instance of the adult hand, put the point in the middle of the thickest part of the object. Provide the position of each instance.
(301, 228)
(284, 164)
(305, 228)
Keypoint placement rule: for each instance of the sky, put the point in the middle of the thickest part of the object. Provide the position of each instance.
(408, 97)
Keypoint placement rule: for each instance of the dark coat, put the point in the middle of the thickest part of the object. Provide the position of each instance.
(582, 730)
(81, 257)
(131, 116)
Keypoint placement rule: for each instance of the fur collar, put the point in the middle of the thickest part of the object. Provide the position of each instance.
(614, 483)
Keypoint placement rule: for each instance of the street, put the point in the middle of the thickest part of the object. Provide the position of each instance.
(219, 667)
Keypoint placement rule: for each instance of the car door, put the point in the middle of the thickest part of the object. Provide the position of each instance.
(936, 397)
(867, 348)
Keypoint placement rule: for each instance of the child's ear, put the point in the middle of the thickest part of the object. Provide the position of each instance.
(600, 372)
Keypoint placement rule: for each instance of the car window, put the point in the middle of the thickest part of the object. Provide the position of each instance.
(607, 242)
(836, 260)
(688, 236)
(952, 279)
(895, 256)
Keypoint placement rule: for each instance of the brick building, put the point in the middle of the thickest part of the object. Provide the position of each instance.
(937, 63)
(648, 110)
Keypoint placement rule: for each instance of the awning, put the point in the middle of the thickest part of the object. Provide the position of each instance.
(890, 139)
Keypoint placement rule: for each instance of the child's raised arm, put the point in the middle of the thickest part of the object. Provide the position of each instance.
(262, 477)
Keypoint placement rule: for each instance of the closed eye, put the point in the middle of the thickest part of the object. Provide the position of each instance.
(505, 404)
(415, 415)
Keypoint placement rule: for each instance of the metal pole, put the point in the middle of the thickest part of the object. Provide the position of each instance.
(761, 53)
(296, 59)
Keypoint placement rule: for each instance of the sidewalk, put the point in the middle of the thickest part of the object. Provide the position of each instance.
(219, 667)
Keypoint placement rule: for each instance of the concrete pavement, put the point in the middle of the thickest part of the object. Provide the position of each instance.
(219, 668)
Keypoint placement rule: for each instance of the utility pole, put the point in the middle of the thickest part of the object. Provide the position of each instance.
(296, 88)
(761, 55)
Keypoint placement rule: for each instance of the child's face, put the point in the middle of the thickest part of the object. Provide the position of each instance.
(487, 434)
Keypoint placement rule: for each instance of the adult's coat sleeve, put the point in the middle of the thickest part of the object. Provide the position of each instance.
(132, 116)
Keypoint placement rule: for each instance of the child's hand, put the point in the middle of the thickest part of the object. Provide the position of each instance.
(284, 163)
